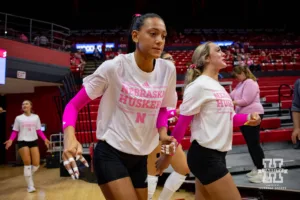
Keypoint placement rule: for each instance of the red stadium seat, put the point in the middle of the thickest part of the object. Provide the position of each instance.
(95, 101)
(278, 135)
(270, 123)
(286, 104)
(82, 126)
(86, 137)
(238, 139)
(236, 129)
(84, 115)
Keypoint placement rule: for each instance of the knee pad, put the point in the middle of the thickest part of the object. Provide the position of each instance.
(174, 181)
(34, 169)
(27, 170)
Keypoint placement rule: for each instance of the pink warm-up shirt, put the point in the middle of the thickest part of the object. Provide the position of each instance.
(246, 94)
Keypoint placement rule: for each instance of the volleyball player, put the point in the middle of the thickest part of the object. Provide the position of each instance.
(178, 162)
(210, 109)
(136, 89)
(27, 128)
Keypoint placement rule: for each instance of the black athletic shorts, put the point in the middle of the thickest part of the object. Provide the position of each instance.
(169, 132)
(27, 144)
(208, 165)
(111, 164)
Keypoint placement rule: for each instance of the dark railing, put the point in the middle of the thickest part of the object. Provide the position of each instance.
(13, 26)
(283, 95)
(59, 107)
(84, 123)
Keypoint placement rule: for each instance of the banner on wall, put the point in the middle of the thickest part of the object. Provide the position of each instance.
(90, 47)
(222, 43)
(3, 55)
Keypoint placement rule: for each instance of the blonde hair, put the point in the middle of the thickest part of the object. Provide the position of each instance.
(246, 70)
(198, 59)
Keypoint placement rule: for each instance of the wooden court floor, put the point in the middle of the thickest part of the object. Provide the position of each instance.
(50, 186)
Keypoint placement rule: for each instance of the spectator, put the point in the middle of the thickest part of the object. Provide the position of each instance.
(68, 47)
(23, 38)
(44, 41)
(239, 61)
(36, 40)
(249, 62)
(103, 51)
(96, 55)
(246, 99)
(263, 57)
(78, 57)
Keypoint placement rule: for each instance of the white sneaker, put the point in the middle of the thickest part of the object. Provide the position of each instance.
(30, 189)
(253, 173)
(258, 178)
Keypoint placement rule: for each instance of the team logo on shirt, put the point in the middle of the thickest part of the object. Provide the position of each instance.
(146, 84)
(28, 125)
(147, 98)
(224, 102)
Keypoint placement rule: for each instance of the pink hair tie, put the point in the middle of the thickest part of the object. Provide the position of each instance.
(137, 15)
(192, 66)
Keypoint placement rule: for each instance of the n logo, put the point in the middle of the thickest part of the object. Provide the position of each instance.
(140, 117)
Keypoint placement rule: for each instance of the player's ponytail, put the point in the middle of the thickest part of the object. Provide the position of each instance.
(198, 59)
